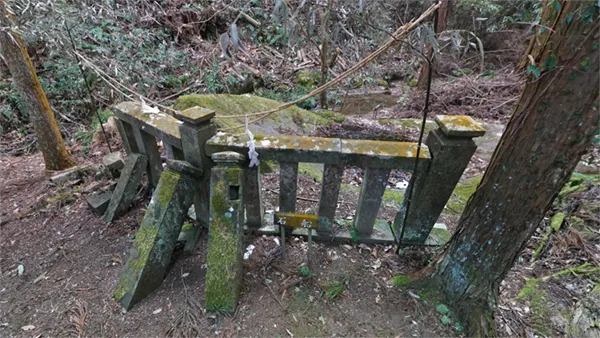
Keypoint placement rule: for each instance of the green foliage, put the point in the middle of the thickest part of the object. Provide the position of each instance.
(104, 115)
(335, 288)
(287, 94)
(400, 281)
(488, 16)
(459, 72)
(212, 79)
(534, 71)
(119, 42)
(12, 109)
(446, 320)
(355, 237)
(488, 73)
(443, 309)
(303, 271)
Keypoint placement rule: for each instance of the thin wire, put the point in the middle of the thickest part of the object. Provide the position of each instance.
(425, 112)
(93, 103)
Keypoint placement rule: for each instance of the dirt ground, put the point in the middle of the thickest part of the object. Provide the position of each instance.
(71, 261)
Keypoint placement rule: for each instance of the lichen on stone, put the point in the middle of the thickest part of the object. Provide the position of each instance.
(224, 259)
(227, 105)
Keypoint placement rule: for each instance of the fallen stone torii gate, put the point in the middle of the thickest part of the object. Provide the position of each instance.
(210, 171)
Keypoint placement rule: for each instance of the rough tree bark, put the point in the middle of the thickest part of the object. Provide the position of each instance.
(50, 141)
(555, 120)
(442, 18)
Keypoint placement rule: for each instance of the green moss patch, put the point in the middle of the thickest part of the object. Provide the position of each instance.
(315, 171)
(228, 105)
(400, 281)
(461, 195)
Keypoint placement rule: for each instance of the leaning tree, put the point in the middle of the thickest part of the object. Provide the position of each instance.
(50, 141)
(553, 124)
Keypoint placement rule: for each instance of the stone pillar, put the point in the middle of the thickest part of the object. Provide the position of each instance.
(253, 197)
(155, 241)
(127, 186)
(196, 129)
(127, 136)
(451, 147)
(225, 246)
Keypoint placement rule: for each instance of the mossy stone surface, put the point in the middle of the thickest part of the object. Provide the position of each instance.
(461, 194)
(156, 239)
(228, 105)
(225, 246)
(459, 126)
(305, 80)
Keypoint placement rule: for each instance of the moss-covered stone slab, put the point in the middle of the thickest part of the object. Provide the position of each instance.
(151, 253)
(226, 229)
(296, 120)
(161, 125)
(126, 188)
(281, 148)
(459, 126)
(383, 154)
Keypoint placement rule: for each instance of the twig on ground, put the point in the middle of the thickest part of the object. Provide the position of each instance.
(274, 295)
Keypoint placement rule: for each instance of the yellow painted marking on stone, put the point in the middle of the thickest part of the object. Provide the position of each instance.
(294, 220)
(384, 149)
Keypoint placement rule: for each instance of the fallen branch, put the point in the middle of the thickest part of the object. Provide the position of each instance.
(294, 283)
(555, 224)
(275, 296)
(250, 19)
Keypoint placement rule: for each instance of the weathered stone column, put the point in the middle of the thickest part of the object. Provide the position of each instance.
(225, 246)
(155, 241)
(196, 129)
(127, 186)
(451, 148)
(253, 198)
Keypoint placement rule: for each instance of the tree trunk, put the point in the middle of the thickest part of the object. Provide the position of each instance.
(324, 52)
(440, 26)
(50, 141)
(553, 124)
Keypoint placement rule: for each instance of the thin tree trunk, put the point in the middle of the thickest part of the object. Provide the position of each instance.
(553, 124)
(440, 26)
(50, 141)
(324, 51)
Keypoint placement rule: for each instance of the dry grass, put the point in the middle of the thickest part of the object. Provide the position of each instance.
(77, 315)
